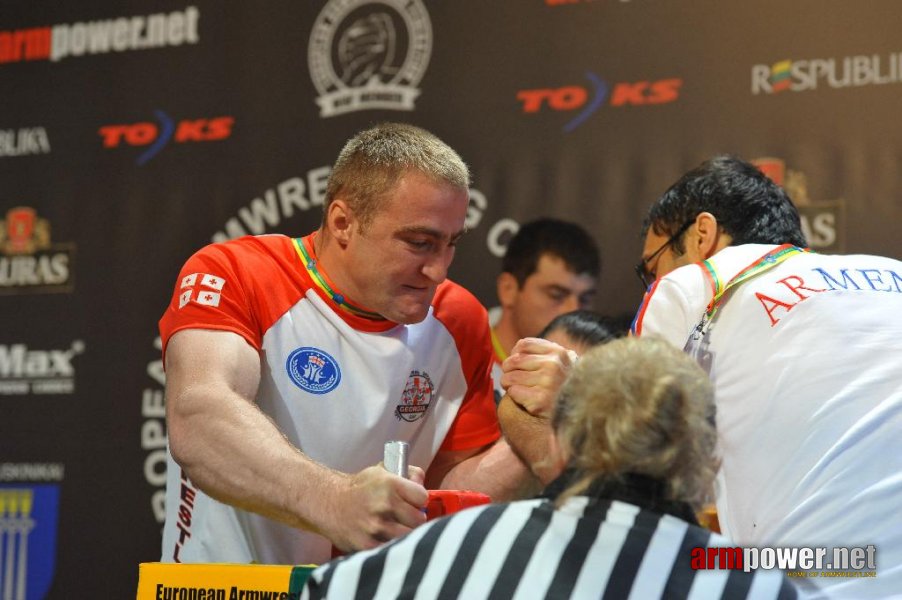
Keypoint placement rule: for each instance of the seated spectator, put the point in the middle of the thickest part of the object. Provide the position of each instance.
(634, 446)
(550, 267)
(579, 330)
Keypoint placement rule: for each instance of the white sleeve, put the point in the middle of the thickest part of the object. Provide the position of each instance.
(673, 306)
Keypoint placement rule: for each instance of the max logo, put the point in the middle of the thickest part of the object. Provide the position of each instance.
(157, 136)
(588, 99)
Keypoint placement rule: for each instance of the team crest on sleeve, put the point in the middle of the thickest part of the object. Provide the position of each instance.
(313, 370)
(201, 288)
(416, 397)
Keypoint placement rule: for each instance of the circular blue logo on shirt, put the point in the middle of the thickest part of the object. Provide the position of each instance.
(313, 370)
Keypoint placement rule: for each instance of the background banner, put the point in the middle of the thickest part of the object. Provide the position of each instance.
(133, 133)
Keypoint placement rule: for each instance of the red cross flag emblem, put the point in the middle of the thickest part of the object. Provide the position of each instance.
(201, 288)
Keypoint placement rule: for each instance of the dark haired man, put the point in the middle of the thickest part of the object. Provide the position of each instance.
(550, 267)
(804, 351)
(580, 330)
(724, 202)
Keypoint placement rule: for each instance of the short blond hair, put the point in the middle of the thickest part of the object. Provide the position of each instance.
(373, 161)
(638, 405)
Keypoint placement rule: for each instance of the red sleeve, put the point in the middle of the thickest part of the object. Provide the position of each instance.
(466, 319)
(220, 287)
(636, 327)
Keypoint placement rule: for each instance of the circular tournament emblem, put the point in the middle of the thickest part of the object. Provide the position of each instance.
(313, 370)
(416, 397)
(369, 54)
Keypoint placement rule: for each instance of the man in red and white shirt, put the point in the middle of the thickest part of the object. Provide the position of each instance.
(290, 362)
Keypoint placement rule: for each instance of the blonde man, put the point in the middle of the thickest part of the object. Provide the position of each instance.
(289, 363)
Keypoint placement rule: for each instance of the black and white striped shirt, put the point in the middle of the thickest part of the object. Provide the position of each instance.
(527, 549)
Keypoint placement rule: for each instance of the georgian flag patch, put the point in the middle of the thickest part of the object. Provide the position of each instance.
(202, 288)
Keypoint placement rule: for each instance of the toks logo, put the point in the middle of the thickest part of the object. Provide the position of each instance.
(149, 134)
(590, 99)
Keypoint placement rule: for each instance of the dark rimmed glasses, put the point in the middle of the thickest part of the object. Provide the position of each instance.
(644, 276)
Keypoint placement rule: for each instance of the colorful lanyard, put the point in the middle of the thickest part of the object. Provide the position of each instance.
(319, 279)
(766, 262)
(500, 354)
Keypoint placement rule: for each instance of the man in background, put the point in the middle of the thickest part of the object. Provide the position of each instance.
(550, 267)
(579, 330)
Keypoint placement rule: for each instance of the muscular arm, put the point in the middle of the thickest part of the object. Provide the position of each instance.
(494, 470)
(234, 453)
(534, 373)
(536, 450)
(520, 464)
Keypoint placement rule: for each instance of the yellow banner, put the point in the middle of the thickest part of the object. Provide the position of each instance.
(166, 581)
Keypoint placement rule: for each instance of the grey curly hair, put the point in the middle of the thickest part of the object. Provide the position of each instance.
(639, 405)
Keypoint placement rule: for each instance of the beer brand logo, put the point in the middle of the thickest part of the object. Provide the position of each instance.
(823, 223)
(23, 232)
(369, 55)
(313, 370)
(416, 397)
(28, 261)
(29, 513)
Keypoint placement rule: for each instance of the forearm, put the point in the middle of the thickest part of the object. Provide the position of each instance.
(235, 454)
(497, 472)
(530, 438)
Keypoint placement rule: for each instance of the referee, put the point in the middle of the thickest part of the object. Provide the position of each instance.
(634, 444)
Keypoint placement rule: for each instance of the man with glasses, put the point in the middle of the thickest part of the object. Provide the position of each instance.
(804, 351)
(646, 274)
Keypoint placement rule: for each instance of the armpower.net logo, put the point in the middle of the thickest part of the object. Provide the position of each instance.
(119, 34)
(794, 561)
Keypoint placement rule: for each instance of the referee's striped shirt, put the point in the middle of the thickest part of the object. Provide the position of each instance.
(527, 549)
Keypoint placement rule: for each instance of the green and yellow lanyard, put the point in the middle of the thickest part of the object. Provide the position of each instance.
(764, 263)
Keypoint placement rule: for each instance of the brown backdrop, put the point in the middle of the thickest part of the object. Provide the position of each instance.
(132, 133)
